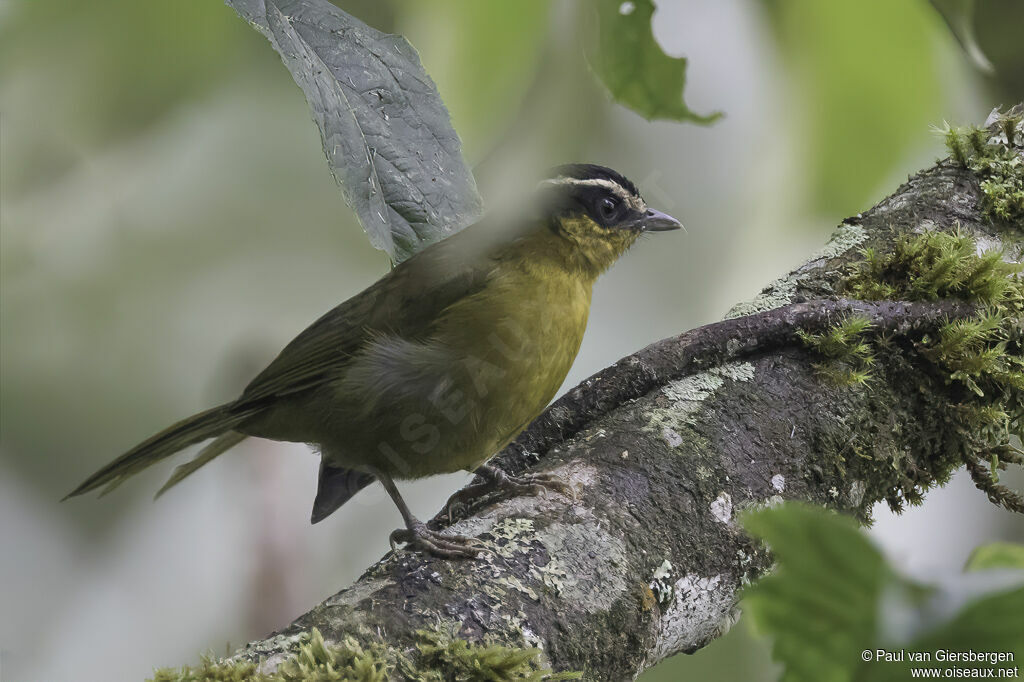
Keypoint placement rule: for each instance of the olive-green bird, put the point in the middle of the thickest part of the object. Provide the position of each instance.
(439, 364)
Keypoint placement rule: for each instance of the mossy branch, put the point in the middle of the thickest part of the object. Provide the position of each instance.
(917, 303)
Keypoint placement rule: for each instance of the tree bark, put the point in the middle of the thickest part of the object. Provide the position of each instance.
(664, 448)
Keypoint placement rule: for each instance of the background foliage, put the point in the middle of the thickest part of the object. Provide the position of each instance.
(167, 223)
(834, 596)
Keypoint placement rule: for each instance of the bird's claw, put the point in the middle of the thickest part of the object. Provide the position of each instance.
(504, 485)
(435, 543)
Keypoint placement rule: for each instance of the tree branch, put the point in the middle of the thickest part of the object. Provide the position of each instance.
(667, 445)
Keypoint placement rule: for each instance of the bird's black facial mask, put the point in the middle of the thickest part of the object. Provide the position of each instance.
(602, 195)
(608, 208)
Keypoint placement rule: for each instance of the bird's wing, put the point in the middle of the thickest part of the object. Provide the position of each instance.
(404, 302)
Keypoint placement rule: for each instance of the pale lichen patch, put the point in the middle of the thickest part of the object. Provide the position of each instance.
(924, 226)
(781, 291)
(577, 473)
(474, 526)
(845, 237)
(570, 570)
(553, 575)
(779, 482)
(699, 608)
(985, 242)
(694, 388)
(721, 507)
(512, 535)
(857, 491)
(531, 637)
(661, 583)
(360, 591)
(509, 528)
(737, 371)
(512, 582)
(273, 650)
(777, 294)
(587, 559)
(685, 396)
(745, 562)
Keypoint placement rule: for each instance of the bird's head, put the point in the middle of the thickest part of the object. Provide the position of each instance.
(598, 212)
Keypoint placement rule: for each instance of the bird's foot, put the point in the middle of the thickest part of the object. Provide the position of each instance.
(435, 543)
(499, 483)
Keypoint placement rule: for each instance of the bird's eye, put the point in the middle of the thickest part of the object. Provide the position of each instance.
(607, 207)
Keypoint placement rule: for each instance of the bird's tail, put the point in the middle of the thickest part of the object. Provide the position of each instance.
(217, 447)
(198, 427)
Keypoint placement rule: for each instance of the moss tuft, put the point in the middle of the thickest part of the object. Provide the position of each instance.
(1008, 126)
(314, 661)
(932, 266)
(349, 662)
(956, 144)
(849, 356)
(998, 166)
(444, 657)
(438, 657)
(210, 670)
(979, 359)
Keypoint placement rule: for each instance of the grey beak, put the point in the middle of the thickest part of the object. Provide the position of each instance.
(656, 221)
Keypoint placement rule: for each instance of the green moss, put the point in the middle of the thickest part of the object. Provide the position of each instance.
(210, 670)
(317, 662)
(979, 359)
(446, 658)
(1000, 169)
(929, 267)
(438, 657)
(1008, 126)
(849, 355)
(956, 144)
(314, 661)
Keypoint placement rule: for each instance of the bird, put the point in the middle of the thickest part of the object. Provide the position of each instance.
(439, 364)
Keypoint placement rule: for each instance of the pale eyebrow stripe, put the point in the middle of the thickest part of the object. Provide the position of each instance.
(630, 199)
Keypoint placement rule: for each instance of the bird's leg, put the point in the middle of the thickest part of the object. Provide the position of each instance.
(498, 482)
(418, 535)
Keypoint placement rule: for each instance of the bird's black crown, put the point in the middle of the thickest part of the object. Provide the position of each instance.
(591, 171)
(600, 193)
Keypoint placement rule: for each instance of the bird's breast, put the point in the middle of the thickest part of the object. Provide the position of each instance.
(512, 346)
(449, 400)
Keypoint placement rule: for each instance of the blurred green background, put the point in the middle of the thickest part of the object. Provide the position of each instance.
(168, 222)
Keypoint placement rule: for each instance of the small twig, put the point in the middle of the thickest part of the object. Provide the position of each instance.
(997, 493)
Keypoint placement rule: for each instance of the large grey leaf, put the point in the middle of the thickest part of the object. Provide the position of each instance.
(386, 132)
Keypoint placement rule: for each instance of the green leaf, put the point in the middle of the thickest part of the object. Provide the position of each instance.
(820, 605)
(833, 600)
(996, 555)
(992, 622)
(386, 132)
(988, 623)
(634, 68)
